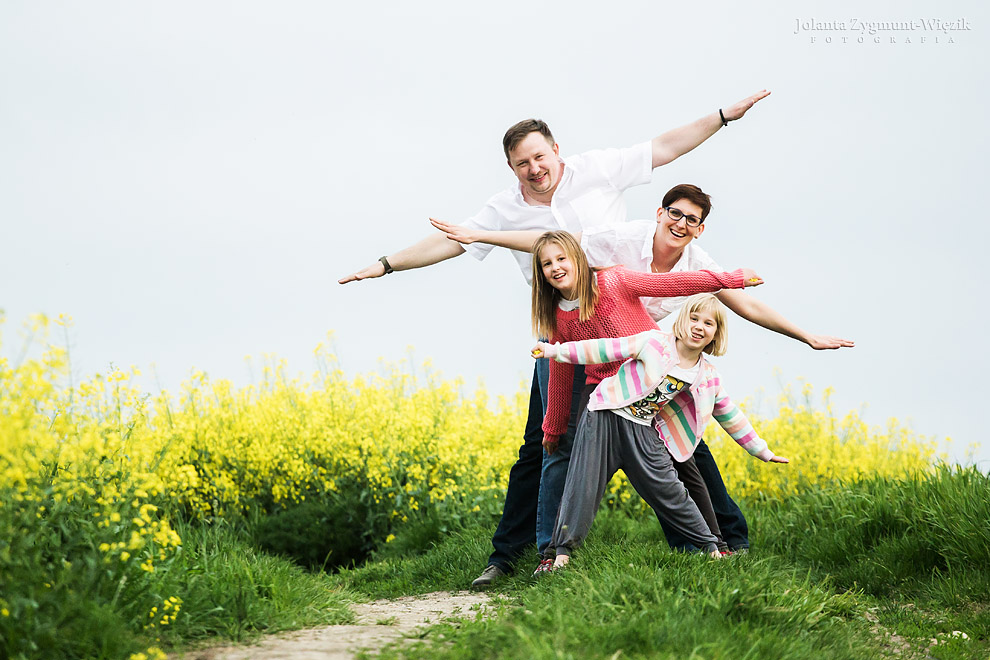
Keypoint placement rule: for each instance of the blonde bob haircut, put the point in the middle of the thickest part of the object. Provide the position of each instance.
(545, 297)
(704, 302)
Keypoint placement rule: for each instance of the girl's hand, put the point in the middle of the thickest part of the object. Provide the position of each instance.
(550, 442)
(750, 278)
(462, 235)
(779, 459)
(543, 350)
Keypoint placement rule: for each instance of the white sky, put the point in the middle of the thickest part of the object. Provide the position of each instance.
(188, 180)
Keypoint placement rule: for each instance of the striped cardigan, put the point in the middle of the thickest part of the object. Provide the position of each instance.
(649, 357)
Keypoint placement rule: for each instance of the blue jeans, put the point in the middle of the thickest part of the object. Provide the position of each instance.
(517, 528)
(735, 531)
(554, 472)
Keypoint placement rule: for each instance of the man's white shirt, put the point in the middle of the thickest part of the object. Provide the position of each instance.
(589, 194)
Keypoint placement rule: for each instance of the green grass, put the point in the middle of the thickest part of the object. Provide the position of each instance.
(868, 570)
(882, 568)
(232, 591)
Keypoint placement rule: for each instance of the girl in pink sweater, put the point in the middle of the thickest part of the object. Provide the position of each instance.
(572, 302)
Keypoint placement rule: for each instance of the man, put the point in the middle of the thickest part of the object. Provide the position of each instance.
(575, 193)
(666, 245)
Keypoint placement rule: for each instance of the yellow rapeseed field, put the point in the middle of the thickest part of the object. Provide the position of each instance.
(214, 450)
(120, 466)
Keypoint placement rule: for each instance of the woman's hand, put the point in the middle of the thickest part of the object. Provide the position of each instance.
(779, 459)
(462, 235)
(550, 442)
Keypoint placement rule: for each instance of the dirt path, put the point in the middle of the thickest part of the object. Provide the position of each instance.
(378, 623)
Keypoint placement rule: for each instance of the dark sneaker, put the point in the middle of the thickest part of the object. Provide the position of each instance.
(545, 566)
(487, 577)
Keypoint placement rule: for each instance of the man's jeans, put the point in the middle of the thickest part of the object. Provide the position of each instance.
(517, 528)
(730, 519)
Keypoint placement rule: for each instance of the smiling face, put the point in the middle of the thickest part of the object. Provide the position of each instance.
(536, 164)
(676, 235)
(701, 328)
(558, 269)
(701, 325)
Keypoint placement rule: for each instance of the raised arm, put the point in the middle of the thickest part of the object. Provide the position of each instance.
(679, 141)
(514, 240)
(732, 420)
(758, 312)
(431, 250)
(599, 351)
(687, 283)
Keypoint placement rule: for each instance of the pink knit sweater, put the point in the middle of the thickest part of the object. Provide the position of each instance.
(619, 313)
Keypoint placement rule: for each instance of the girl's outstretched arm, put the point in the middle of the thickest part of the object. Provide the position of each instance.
(688, 283)
(600, 351)
(734, 422)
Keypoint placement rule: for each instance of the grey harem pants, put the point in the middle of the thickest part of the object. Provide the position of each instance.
(606, 442)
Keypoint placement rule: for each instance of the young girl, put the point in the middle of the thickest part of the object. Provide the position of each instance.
(573, 302)
(667, 384)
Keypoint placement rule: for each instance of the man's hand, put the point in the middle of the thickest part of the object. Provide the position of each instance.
(737, 110)
(550, 442)
(462, 235)
(825, 342)
(376, 269)
(750, 278)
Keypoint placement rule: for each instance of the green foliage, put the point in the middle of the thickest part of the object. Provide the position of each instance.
(883, 534)
(643, 601)
(317, 534)
(68, 587)
(812, 587)
(231, 590)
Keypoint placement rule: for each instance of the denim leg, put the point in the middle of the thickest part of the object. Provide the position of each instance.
(516, 530)
(555, 465)
(731, 520)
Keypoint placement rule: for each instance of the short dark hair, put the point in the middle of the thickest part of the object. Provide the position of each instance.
(692, 194)
(518, 132)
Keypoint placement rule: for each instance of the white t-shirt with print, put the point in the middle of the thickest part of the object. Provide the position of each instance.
(644, 410)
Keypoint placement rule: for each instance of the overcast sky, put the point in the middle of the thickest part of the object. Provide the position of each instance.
(188, 180)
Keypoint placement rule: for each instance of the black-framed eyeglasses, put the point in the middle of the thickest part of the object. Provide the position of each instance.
(676, 214)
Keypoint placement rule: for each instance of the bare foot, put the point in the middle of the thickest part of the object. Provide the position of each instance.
(560, 561)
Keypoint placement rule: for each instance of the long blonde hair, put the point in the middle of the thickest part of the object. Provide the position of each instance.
(704, 302)
(545, 297)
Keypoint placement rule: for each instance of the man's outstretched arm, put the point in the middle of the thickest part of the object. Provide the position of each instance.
(431, 250)
(758, 312)
(679, 141)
